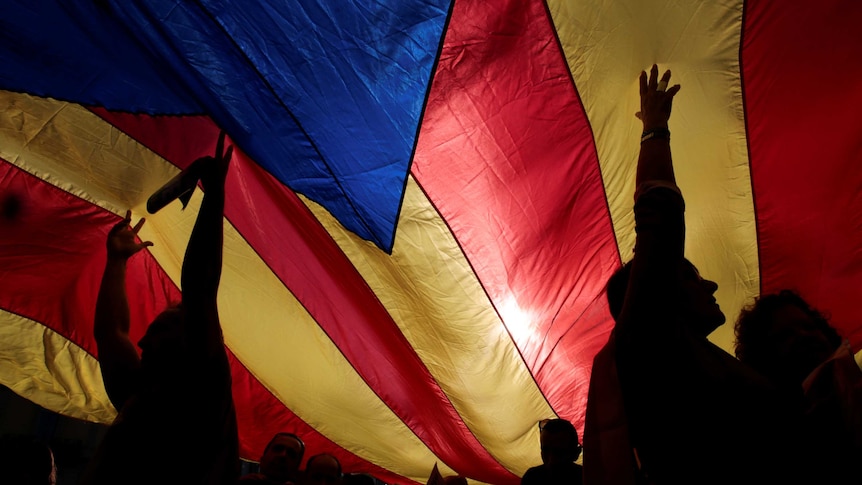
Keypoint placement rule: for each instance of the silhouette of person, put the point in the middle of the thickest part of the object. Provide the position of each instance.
(455, 480)
(322, 469)
(784, 338)
(25, 461)
(560, 448)
(174, 401)
(694, 413)
(279, 462)
(357, 479)
(609, 456)
(795, 346)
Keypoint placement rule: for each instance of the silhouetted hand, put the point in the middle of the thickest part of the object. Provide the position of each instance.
(214, 169)
(122, 240)
(656, 99)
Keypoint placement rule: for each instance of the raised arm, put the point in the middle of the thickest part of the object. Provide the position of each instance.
(654, 161)
(117, 355)
(659, 211)
(203, 259)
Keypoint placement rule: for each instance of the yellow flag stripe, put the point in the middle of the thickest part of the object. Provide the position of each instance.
(699, 43)
(51, 371)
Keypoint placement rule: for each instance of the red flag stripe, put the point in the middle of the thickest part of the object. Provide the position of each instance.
(56, 226)
(507, 157)
(801, 104)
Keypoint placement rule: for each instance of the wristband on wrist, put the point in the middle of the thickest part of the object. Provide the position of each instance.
(656, 133)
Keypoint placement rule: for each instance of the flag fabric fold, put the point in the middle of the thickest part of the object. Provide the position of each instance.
(426, 199)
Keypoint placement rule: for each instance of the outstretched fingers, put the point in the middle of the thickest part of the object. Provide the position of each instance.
(138, 225)
(643, 83)
(136, 228)
(652, 83)
(653, 78)
(663, 85)
(656, 97)
(122, 239)
(220, 145)
(220, 153)
(214, 169)
(124, 223)
(656, 85)
(666, 76)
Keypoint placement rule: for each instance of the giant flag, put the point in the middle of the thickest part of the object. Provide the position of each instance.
(426, 199)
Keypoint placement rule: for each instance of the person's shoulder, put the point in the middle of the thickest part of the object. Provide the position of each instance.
(658, 188)
(578, 475)
(653, 198)
(534, 475)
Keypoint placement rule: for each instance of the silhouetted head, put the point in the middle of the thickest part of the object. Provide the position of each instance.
(781, 336)
(357, 479)
(322, 469)
(281, 457)
(698, 306)
(163, 344)
(559, 441)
